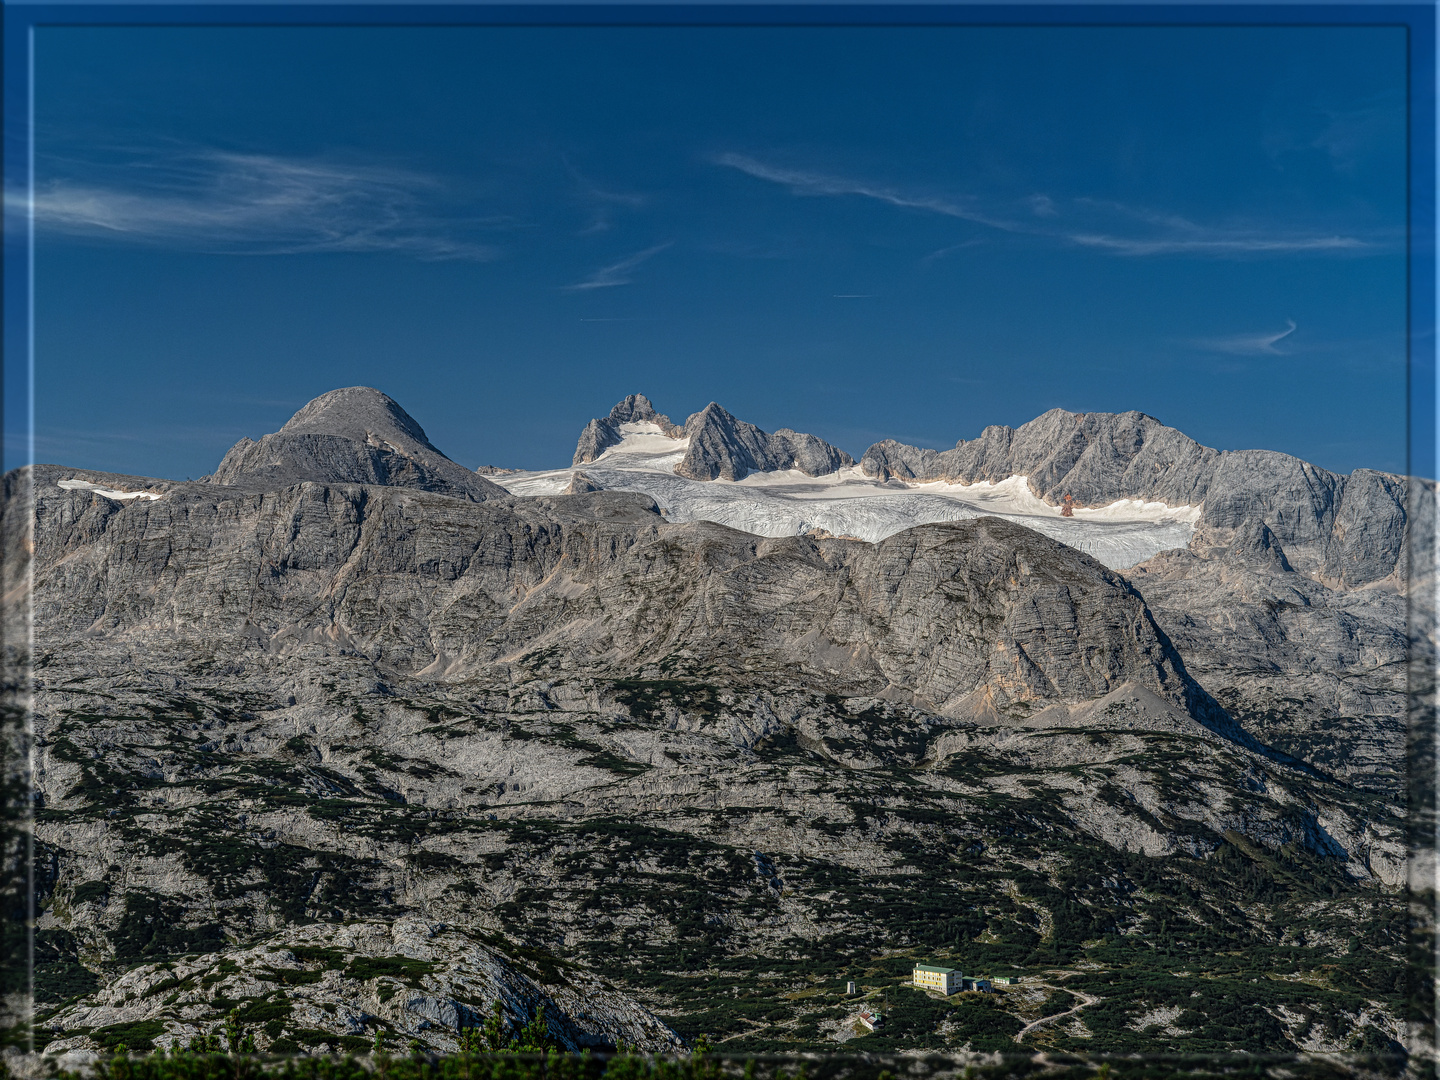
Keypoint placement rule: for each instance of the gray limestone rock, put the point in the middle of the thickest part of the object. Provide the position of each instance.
(1350, 530)
(890, 459)
(723, 447)
(637, 409)
(1255, 546)
(412, 579)
(1094, 457)
(1370, 526)
(598, 436)
(810, 454)
(456, 978)
(580, 484)
(604, 432)
(355, 435)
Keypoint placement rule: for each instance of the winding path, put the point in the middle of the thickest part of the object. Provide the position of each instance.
(1086, 999)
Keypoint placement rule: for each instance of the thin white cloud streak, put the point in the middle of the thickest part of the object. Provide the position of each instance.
(1177, 235)
(257, 204)
(809, 183)
(1218, 245)
(607, 277)
(1248, 344)
(1164, 234)
(940, 254)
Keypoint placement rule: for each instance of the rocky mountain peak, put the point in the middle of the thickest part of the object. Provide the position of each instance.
(357, 412)
(636, 408)
(355, 435)
(1349, 530)
(604, 432)
(1095, 458)
(724, 447)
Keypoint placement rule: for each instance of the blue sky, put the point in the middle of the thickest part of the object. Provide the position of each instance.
(864, 233)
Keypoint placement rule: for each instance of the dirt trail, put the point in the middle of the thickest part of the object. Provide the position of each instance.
(1085, 999)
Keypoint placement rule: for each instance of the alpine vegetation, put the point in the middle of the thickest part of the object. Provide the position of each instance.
(719, 732)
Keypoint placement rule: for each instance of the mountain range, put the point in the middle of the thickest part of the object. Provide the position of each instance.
(717, 720)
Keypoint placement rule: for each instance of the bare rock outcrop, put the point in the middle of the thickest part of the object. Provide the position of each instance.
(1094, 457)
(604, 432)
(580, 484)
(1347, 530)
(356, 435)
(406, 577)
(410, 979)
(723, 447)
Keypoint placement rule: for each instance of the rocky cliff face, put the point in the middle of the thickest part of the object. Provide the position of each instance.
(1095, 457)
(1350, 530)
(417, 582)
(721, 773)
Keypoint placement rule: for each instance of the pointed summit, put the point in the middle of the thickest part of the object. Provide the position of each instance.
(604, 432)
(355, 435)
(636, 409)
(723, 447)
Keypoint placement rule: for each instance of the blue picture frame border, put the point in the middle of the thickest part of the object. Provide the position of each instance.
(21, 20)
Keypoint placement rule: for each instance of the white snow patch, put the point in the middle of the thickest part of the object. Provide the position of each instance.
(109, 493)
(849, 503)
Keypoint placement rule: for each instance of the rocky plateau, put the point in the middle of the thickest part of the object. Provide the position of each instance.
(352, 739)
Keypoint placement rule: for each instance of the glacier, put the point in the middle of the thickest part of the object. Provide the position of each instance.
(849, 503)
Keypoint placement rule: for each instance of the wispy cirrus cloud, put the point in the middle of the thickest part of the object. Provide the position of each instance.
(1090, 223)
(1257, 344)
(223, 202)
(1136, 230)
(941, 253)
(1220, 242)
(607, 277)
(801, 182)
(600, 202)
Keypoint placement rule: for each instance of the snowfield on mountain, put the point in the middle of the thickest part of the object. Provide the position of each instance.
(847, 502)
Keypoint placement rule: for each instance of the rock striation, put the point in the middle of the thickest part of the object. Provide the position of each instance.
(1349, 530)
(356, 435)
(419, 581)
